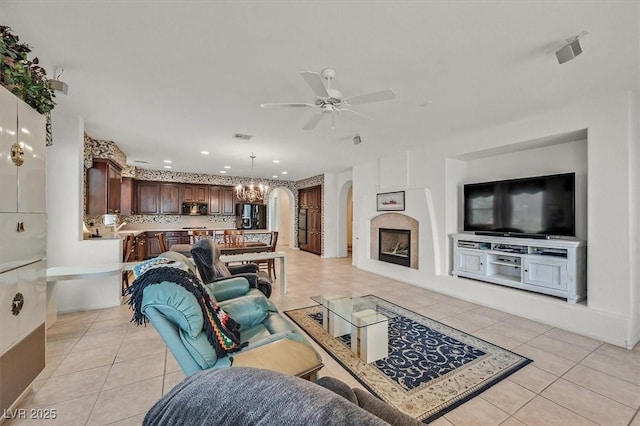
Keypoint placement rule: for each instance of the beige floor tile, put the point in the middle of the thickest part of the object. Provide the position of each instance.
(469, 322)
(120, 312)
(78, 317)
(441, 421)
(61, 347)
(512, 331)
(542, 412)
(68, 413)
(492, 313)
(140, 348)
(624, 392)
(533, 378)
(574, 339)
(636, 420)
(86, 360)
(51, 365)
(126, 401)
(620, 354)
(536, 327)
(557, 347)
(172, 379)
(614, 367)
(512, 421)
(71, 386)
(508, 396)
(129, 421)
(476, 412)
(497, 339)
(171, 365)
(93, 341)
(591, 405)
(544, 360)
(135, 370)
(108, 325)
(61, 332)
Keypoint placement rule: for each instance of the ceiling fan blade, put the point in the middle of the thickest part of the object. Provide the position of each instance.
(290, 105)
(356, 114)
(314, 80)
(314, 120)
(381, 95)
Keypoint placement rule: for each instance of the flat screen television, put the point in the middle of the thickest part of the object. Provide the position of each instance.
(538, 206)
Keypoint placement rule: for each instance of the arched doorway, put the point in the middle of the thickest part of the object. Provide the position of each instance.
(281, 215)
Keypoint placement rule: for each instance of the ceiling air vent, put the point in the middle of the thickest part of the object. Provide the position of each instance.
(141, 161)
(241, 136)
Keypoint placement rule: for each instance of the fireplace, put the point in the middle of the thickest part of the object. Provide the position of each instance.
(394, 246)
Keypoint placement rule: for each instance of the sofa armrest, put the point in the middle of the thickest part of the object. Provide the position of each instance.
(229, 288)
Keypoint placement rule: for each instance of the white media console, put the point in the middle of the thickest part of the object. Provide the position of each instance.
(551, 266)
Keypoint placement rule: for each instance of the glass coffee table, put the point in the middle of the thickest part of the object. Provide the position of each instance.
(367, 323)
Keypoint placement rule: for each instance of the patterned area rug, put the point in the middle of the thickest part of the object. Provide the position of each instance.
(431, 368)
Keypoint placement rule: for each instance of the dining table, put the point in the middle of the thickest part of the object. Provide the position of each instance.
(247, 247)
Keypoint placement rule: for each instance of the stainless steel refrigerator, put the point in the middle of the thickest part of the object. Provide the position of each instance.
(251, 216)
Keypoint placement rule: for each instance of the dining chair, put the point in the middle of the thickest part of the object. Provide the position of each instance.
(127, 250)
(233, 237)
(200, 234)
(270, 263)
(162, 242)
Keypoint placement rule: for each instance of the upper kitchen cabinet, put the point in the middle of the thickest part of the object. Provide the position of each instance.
(221, 200)
(127, 196)
(103, 187)
(195, 193)
(170, 198)
(22, 144)
(147, 197)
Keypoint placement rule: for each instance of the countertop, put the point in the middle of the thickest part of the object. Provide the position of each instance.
(135, 232)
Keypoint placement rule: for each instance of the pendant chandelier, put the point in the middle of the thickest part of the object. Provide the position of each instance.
(251, 192)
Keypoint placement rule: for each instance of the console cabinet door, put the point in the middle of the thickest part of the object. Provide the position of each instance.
(471, 262)
(8, 132)
(549, 273)
(32, 173)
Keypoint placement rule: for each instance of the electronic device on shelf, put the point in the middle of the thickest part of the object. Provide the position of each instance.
(535, 207)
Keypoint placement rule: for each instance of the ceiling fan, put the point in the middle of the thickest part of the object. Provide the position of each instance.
(331, 101)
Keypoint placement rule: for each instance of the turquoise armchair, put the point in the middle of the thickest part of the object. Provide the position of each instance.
(178, 318)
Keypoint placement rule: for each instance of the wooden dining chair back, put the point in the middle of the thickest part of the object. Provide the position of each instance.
(270, 264)
(162, 242)
(233, 237)
(198, 235)
(127, 251)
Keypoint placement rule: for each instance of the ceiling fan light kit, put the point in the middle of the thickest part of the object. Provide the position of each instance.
(332, 101)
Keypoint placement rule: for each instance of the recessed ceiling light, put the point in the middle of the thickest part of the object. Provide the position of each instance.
(284, 173)
(276, 161)
(167, 167)
(227, 167)
(275, 176)
(223, 171)
(168, 161)
(204, 152)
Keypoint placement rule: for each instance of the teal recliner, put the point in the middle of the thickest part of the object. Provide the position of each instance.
(178, 318)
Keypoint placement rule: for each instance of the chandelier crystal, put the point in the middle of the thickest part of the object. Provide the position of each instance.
(251, 192)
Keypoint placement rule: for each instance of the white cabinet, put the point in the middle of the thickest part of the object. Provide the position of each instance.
(22, 156)
(556, 267)
(23, 245)
(471, 261)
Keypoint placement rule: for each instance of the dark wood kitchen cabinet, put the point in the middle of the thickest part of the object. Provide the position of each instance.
(195, 193)
(170, 198)
(127, 196)
(222, 200)
(147, 197)
(152, 245)
(103, 187)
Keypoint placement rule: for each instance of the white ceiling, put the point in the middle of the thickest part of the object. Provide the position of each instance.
(168, 79)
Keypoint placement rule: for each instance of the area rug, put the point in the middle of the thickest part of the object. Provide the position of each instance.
(431, 368)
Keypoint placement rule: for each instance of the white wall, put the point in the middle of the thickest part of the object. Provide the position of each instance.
(65, 246)
(280, 215)
(436, 171)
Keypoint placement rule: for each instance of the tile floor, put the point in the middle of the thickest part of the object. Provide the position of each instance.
(102, 370)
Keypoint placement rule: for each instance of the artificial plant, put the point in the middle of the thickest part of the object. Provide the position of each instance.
(22, 76)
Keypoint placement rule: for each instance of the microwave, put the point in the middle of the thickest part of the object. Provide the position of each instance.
(194, 209)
